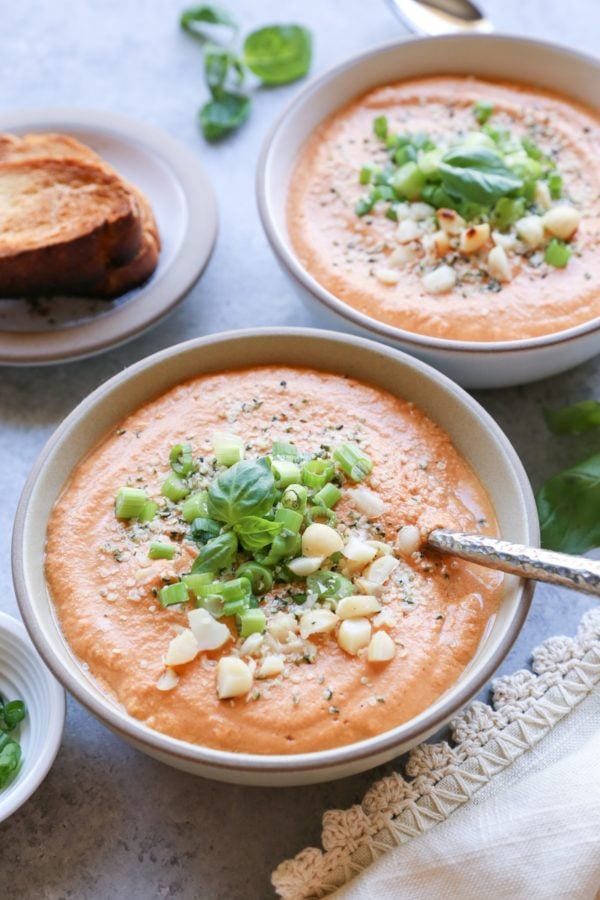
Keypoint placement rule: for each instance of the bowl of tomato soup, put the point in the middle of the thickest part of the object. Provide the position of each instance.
(441, 194)
(228, 565)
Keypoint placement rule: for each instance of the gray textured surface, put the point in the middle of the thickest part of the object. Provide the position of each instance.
(108, 821)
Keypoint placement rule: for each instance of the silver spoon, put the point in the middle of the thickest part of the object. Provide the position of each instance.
(440, 16)
(576, 572)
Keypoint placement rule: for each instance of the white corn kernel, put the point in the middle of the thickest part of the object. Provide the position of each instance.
(357, 606)
(321, 540)
(473, 238)
(381, 648)
(498, 265)
(440, 280)
(182, 649)
(168, 680)
(367, 502)
(542, 195)
(354, 634)
(380, 569)
(401, 256)
(386, 276)
(305, 565)
(407, 231)
(358, 551)
(531, 231)
(317, 621)
(271, 665)
(234, 677)
(409, 540)
(561, 221)
(209, 634)
(281, 625)
(450, 221)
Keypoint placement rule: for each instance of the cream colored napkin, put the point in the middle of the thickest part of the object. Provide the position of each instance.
(511, 810)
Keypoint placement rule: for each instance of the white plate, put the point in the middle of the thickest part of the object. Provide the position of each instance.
(54, 330)
(23, 676)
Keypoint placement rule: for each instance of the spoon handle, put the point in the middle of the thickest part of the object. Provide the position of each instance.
(576, 572)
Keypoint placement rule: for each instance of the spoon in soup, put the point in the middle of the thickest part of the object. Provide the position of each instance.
(577, 572)
(441, 16)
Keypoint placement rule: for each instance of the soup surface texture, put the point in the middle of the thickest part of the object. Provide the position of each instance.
(106, 589)
(532, 264)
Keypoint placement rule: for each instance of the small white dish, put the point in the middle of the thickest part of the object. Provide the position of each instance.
(23, 676)
(172, 178)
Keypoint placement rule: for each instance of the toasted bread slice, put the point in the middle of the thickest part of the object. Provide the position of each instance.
(117, 279)
(63, 224)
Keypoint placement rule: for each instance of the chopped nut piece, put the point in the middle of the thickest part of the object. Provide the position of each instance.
(531, 231)
(182, 649)
(561, 221)
(354, 634)
(407, 231)
(367, 502)
(386, 276)
(473, 238)
(440, 280)
(321, 540)
(409, 540)
(305, 565)
(542, 195)
(506, 241)
(381, 648)
(317, 621)
(234, 677)
(380, 569)
(358, 606)
(281, 625)
(401, 256)
(359, 551)
(271, 665)
(498, 265)
(450, 221)
(209, 634)
(168, 680)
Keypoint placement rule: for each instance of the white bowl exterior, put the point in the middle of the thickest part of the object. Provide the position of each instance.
(483, 365)
(23, 676)
(474, 433)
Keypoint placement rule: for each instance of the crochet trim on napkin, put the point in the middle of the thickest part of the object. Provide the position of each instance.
(442, 777)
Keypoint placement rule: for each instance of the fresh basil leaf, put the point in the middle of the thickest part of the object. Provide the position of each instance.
(224, 114)
(205, 15)
(218, 554)
(574, 419)
(278, 54)
(12, 713)
(10, 757)
(246, 489)
(216, 66)
(255, 533)
(477, 174)
(569, 508)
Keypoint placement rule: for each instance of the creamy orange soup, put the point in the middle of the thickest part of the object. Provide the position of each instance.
(517, 296)
(104, 586)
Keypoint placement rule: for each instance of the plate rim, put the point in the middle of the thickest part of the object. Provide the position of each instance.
(19, 348)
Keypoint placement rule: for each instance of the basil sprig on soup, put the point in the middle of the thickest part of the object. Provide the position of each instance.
(479, 204)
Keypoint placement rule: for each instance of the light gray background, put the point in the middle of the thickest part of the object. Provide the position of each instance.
(108, 821)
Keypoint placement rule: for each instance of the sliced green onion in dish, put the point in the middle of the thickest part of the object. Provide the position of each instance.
(235, 589)
(483, 110)
(252, 621)
(148, 512)
(408, 182)
(317, 472)
(285, 473)
(182, 460)
(203, 529)
(328, 584)
(195, 506)
(194, 582)
(171, 594)
(557, 254)
(281, 450)
(158, 550)
(289, 519)
(507, 210)
(320, 513)
(174, 488)
(260, 578)
(555, 185)
(380, 127)
(327, 496)
(351, 460)
(294, 497)
(130, 502)
(235, 607)
(228, 449)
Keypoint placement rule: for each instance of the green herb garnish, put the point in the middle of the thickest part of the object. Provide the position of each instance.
(12, 714)
(575, 419)
(569, 508)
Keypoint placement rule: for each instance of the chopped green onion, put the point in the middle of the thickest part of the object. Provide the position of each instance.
(252, 621)
(161, 551)
(235, 589)
(391, 213)
(228, 449)
(408, 182)
(195, 506)
(555, 185)
(194, 582)
(507, 210)
(290, 519)
(182, 459)
(235, 607)
(294, 497)
(557, 254)
(383, 192)
(327, 496)
(365, 174)
(317, 472)
(531, 148)
(173, 593)
(482, 111)
(380, 127)
(364, 206)
(282, 450)
(259, 577)
(404, 154)
(352, 461)
(174, 488)
(130, 502)
(320, 514)
(203, 529)
(284, 473)
(148, 512)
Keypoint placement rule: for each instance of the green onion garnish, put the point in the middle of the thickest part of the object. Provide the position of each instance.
(194, 582)
(327, 496)
(365, 174)
(235, 589)
(408, 182)
(282, 450)
(290, 519)
(181, 459)
(174, 488)
(203, 529)
(322, 514)
(284, 473)
(352, 461)
(252, 621)
(326, 583)
(507, 210)
(130, 502)
(294, 497)
(228, 449)
(148, 512)
(557, 254)
(195, 506)
(260, 578)
(555, 185)
(161, 551)
(317, 472)
(482, 110)
(235, 607)
(364, 206)
(380, 127)
(173, 593)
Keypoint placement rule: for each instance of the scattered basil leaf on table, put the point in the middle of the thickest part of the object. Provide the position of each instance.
(569, 508)
(477, 174)
(246, 489)
(224, 114)
(206, 15)
(217, 61)
(575, 419)
(278, 54)
(217, 554)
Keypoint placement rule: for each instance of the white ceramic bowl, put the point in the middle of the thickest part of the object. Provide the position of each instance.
(23, 676)
(471, 363)
(474, 433)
